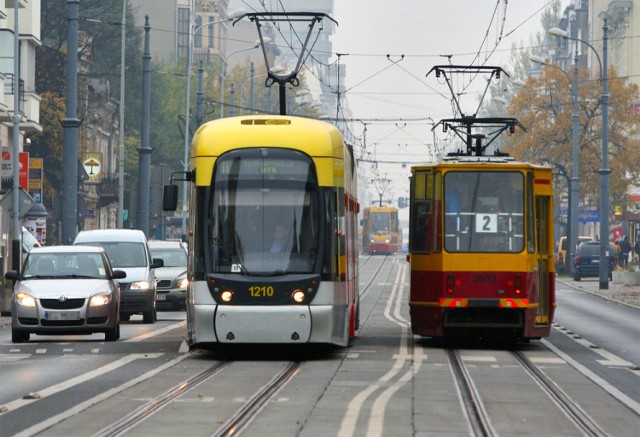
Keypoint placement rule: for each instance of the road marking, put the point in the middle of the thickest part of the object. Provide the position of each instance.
(479, 358)
(57, 388)
(101, 397)
(157, 332)
(610, 359)
(13, 357)
(633, 405)
(547, 360)
(41, 351)
(350, 419)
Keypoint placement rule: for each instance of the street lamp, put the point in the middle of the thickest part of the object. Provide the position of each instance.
(604, 171)
(255, 45)
(574, 185)
(277, 69)
(233, 15)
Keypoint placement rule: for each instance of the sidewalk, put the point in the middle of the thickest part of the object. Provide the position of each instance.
(627, 294)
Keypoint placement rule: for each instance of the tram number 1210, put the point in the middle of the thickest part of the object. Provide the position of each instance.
(261, 291)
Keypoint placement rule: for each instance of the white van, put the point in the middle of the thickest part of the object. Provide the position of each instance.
(128, 250)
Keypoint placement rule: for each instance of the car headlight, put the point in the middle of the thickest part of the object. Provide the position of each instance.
(183, 283)
(100, 299)
(25, 300)
(141, 285)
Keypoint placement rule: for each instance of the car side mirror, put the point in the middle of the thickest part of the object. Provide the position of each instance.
(11, 275)
(156, 263)
(119, 274)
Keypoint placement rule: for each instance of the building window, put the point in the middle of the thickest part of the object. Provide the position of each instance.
(211, 28)
(183, 32)
(197, 37)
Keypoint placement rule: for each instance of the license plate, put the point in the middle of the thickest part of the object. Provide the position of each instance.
(62, 315)
(161, 297)
(595, 261)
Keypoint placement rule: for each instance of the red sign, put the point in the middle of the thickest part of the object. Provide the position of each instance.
(23, 170)
(7, 169)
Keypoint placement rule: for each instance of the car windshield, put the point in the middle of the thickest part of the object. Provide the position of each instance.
(122, 254)
(171, 257)
(64, 265)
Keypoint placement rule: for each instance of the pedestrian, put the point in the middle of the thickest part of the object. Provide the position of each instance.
(625, 248)
(637, 249)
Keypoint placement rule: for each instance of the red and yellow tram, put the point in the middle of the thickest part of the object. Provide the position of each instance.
(381, 232)
(481, 248)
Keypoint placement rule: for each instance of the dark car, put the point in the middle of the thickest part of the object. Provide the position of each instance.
(587, 260)
(172, 277)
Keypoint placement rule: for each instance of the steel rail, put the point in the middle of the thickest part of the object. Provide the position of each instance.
(141, 413)
(476, 414)
(241, 419)
(567, 405)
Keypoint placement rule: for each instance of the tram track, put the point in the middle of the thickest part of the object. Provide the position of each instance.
(374, 276)
(474, 406)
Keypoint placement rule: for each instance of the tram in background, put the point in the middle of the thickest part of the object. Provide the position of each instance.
(273, 232)
(481, 248)
(381, 232)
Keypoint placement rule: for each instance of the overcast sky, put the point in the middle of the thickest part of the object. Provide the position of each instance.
(425, 32)
(388, 47)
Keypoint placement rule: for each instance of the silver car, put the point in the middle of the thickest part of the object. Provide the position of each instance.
(65, 290)
(172, 277)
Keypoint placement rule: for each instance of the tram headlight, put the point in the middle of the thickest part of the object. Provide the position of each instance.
(226, 295)
(298, 296)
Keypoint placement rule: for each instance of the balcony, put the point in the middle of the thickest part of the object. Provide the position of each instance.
(107, 191)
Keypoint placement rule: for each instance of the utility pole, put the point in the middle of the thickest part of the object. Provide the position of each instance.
(71, 125)
(144, 164)
(16, 245)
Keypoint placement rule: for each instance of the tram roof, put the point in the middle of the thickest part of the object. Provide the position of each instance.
(475, 162)
(315, 137)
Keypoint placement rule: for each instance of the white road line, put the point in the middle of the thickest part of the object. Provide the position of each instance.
(57, 388)
(610, 359)
(350, 419)
(157, 332)
(101, 397)
(633, 405)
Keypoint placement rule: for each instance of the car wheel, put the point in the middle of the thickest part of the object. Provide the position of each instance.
(149, 316)
(576, 277)
(112, 334)
(19, 336)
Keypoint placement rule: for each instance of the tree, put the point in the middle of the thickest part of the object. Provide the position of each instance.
(544, 106)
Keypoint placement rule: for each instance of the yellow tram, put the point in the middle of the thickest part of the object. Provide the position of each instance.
(481, 248)
(272, 232)
(381, 232)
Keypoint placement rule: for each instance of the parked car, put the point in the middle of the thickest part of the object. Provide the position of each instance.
(128, 250)
(172, 277)
(562, 252)
(587, 260)
(65, 290)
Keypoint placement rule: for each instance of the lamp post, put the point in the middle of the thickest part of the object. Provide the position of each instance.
(604, 171)
(192, 31)
(255, 45)
(276, 69)
(574, 184)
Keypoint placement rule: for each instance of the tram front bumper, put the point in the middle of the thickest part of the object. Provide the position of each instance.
(263, 324)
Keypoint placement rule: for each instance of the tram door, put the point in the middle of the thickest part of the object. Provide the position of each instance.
(544, 254)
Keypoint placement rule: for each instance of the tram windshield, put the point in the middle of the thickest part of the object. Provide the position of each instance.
(483, 211)
(265, 213)
(380, 223)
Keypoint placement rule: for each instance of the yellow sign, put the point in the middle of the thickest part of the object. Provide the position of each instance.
(92, 163)
(618, 210)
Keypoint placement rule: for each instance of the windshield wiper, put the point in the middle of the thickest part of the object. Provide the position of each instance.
(227, 251)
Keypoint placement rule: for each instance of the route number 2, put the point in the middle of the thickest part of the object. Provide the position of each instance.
(487, 223)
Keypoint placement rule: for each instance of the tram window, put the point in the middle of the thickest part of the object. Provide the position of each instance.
(262, 204)
(531, 241)
(483, 211)
(421, 226)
